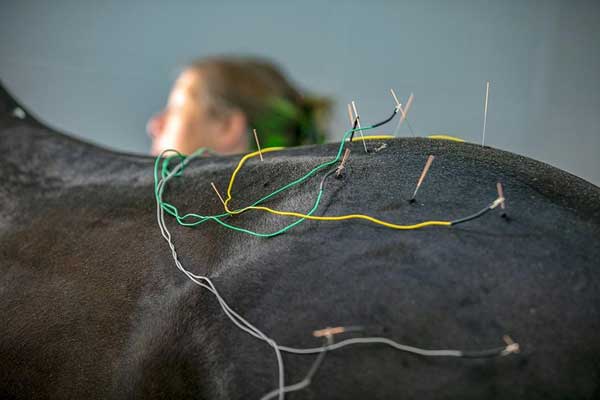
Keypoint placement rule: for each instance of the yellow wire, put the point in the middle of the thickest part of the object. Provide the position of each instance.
(267, 150)
(373, 137)
(446, 137)
(314, 217)
(352, 216)
(383, 137)
(235, 172)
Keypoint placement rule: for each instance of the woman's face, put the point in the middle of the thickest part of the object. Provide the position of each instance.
(183, 125)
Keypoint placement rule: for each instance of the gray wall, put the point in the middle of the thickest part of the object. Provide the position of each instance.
(99, 69)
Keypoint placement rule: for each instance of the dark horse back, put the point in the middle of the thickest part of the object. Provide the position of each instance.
(93, 306)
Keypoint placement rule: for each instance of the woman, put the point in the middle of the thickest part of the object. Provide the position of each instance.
(216, 103)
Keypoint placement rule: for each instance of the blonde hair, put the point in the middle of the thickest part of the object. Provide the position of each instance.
(282, 115)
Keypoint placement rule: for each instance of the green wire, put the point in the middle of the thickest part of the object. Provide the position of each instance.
(217, 218)
(173, 211)
(279, 232)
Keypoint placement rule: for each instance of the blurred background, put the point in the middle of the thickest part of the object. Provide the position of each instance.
(99, 69)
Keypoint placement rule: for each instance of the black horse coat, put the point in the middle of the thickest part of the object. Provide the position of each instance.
(93, 307)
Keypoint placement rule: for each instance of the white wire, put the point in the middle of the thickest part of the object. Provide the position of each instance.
(308, 378)
(243, 324)
(372, 340)
(249, 328)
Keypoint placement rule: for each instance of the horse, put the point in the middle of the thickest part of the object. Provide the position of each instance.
(96, 304)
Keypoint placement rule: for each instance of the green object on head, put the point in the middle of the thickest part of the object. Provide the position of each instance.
(286, 124)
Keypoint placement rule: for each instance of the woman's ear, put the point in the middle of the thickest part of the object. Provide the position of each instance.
(232, 137)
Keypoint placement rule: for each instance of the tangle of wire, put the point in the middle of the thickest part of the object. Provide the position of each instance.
(240, 322)
(197, 219)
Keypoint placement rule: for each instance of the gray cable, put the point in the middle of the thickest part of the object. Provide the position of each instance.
(308, 378)
(243, 324)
